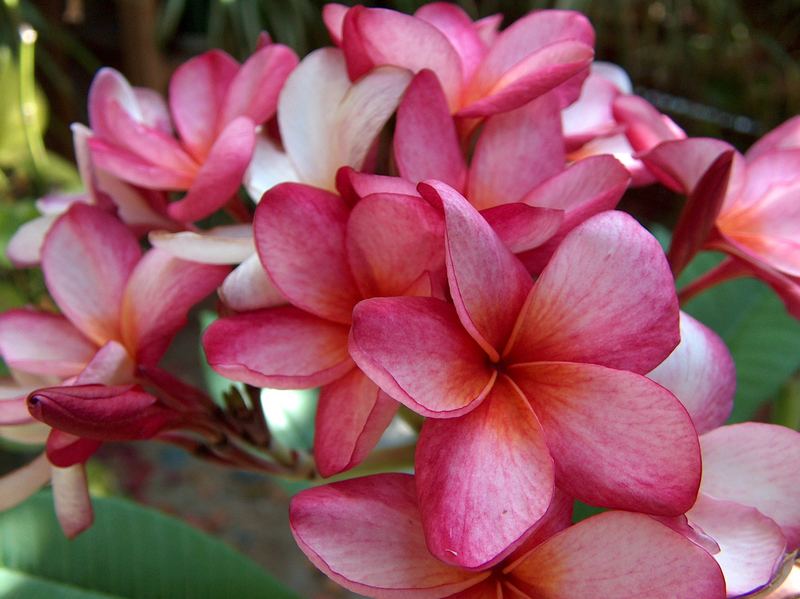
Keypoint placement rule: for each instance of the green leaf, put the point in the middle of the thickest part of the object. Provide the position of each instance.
(131, 552)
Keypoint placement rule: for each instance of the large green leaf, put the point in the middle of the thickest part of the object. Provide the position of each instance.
(131, 552)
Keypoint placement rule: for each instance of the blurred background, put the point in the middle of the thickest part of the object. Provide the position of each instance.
(725, 68)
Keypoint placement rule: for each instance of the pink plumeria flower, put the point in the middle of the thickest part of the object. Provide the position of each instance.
(527, 383)
(482, 72)
(745, 206)
(747, 501)
(325, 257)
(325, 122)
(121, 309)
(367, 535)
(215, 105)
(517, 176)
(744, 514)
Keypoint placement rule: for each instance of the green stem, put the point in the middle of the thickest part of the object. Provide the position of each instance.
(27, 100)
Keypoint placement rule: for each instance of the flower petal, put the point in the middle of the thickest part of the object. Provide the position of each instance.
(300, 237)
(484, 480)
(87, 258)
(268, 167)
(606, 297)
(197, 91)
(24, 249)
(161, 291)
(681, 163)
(391, 241)
(701, 374)
(753, 464)
(366, 534)
(135, 170)
(16, 486)
(752, 546)
(515, 152)
(784, 137)
(248, 287)
(230, 244)
(620, 555)
(221, 174)
(65, 450)
(71, 498)
(283, 348)
(351, 416)
(586, 188)
(487, 282)
(377, 36)
(415, 349)
(43, 343)
(100, 412)
(459, 30)
(254, 90)
(521, 227)
(426, 144)
(618, 439)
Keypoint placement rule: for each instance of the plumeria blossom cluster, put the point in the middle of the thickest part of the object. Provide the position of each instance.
(420, 222)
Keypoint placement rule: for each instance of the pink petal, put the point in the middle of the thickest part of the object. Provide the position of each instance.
(14, 410)
(426, 144)
(333, 16)
(557, 518)
(110, 86)
(619, 555)
(488, 28)
(366, 534)
(101, 413)
(248, 287)
(521, 227)
(87, 258)
(149, 145)
(591, 115)
(484, 480)
(221, 175)
(65, 450)
(133, 169)
(606, 297)
(300, 237)
(71, 498)
(24, 249)
(784, 137)
(529, 34)
(752, 546)
(618, 439)
(415, 349)
(700, 213)
(680, 164)
(386, 37)
(559, 67)
(354, 186)
(459, 30)
(645, 127)
(161, 291)
(141, 209)
(253, 92)
(43, 343)
(154, 110)
(283, 348)
(586, 188)
(227, 244)
(111, 365)
(391, 241)
(769, 170)
(487, 282)
(16, 486)
(351, 416)
(197, 92)
(515, 152)
(754, 465)
(701, 374)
